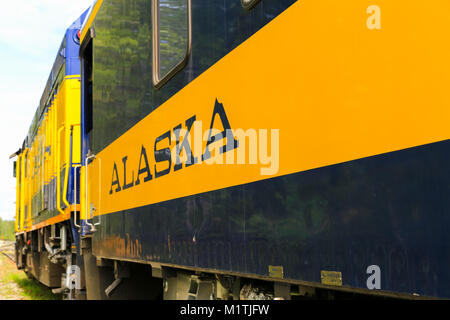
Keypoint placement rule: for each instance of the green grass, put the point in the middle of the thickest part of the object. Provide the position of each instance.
(32, 289)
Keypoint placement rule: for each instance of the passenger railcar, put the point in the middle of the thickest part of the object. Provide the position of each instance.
(252, 149)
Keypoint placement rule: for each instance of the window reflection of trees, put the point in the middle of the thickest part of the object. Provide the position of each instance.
(173, 34)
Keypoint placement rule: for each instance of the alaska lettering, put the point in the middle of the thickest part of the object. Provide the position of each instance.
(163, 156)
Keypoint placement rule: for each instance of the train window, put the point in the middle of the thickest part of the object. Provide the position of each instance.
(171, 38)
(248, 4)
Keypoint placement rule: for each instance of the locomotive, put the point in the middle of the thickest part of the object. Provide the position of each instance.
(242, 149)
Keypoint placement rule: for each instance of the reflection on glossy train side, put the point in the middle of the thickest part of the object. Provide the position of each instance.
(345, 217)
(123, 90)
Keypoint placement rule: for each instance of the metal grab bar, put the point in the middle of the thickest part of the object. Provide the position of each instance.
(58, 168)
(66, 184)
(74, 176)
(75, 196)
(88, 157)
(99, 191)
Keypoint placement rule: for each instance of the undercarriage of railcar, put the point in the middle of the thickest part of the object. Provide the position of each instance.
(51, 256)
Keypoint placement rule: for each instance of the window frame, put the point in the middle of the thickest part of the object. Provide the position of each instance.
(250, 4)
(159, 81)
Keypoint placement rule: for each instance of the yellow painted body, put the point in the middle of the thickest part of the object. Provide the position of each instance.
(17, 216)
(48, 156)
(23, 194)
(335, 88)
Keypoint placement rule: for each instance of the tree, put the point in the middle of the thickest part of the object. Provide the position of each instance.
(6, 230)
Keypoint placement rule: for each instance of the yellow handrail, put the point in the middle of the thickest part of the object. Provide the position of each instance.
(66, 181)
(22, 189)
(58, 168)
(18, 181)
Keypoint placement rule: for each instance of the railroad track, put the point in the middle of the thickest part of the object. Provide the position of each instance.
(7, 249)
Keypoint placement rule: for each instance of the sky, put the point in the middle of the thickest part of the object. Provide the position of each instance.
(31, 32)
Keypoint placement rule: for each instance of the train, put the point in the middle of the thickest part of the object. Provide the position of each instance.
(242, 150)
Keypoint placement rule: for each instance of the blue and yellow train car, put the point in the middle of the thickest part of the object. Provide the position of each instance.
(47, 168)
(248, 149)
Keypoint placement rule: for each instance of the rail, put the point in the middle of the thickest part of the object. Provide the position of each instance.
(7, 249)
